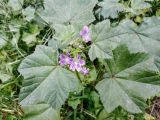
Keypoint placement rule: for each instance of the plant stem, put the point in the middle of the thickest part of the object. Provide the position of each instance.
(89, 114)
(5, 85)
(78, 76)
(75, 114)
(7, 111)
(129, 3)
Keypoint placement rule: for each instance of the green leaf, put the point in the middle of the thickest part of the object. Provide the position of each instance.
(111, 8)
(144, 38)
(68, 11)
(138, 5)
(40, 112)
(64, 36)
(44, 80)
(158, 12)
(92, 74)
(28, 13)
(129, 82)
(148, 117)
(95, 97)
(16, 4)
(30, 36)
(4, 77)
(103, 115)
(2, 42)
(74, 103)
(101, 40)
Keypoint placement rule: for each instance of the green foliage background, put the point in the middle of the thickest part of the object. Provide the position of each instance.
(22, 29)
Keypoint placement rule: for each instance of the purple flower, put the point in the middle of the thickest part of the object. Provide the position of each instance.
(72, 67)
(65, 60)
(81, 61)
(85, 34)
(85, 31)
(87, 38)
(77, 64)
(74, 64)
(85, 70)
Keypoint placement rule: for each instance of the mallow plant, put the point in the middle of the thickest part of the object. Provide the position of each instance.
(89, 67)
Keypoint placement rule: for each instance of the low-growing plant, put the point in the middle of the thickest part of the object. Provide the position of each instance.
(79, 59)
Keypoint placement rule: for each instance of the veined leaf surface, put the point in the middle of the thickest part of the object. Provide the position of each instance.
(131, 79)
(44, 80)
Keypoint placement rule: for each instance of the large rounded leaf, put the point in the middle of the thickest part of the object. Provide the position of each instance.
(132, 78)
(45, 81)
(111, 8)
(69, 11)
(144, 38)
(40, 112)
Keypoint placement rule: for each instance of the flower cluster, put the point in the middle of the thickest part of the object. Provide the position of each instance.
(74, 63)
(85, 34)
